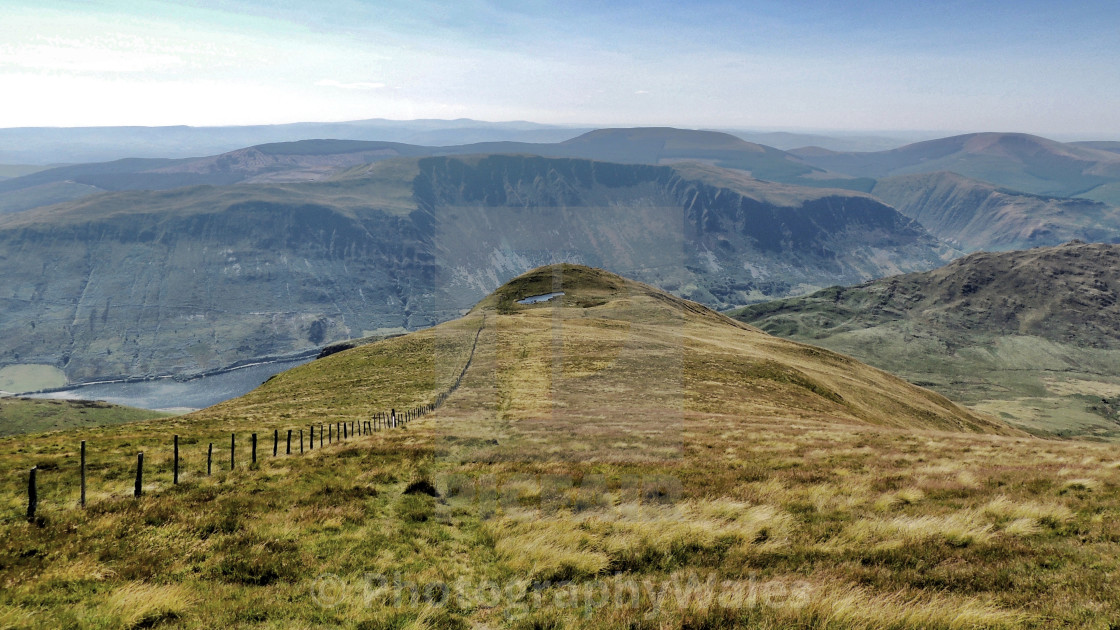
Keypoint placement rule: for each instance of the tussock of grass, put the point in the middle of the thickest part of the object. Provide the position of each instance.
(1027, 517)
(960, 529)
(548, 550)
(138, 605)
(636, 538)
(1085, 485)
(15, 616)
(79, 570)
(852, 607)
(893, 500)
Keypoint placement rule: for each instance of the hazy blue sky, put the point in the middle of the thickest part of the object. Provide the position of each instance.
(1041, 67)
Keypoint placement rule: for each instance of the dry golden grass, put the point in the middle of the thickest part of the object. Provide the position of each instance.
(694, 474)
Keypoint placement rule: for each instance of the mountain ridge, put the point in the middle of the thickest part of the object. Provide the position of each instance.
(141, 282)
(618, 341)
(306, 160)
(975, 215)
(1032, 334)
(1013, 160)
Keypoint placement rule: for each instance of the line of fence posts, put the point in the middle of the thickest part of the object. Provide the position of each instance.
(379, 420)
(139, 489)
(32, 493)
(83, 499)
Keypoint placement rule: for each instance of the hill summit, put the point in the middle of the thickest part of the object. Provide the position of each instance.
(581, 355)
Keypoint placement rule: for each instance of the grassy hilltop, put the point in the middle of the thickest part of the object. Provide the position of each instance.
(614, 457)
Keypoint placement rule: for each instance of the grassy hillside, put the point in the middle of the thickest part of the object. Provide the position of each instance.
(24, 415)
(619, 458)
(1031, 336)
(607, 347)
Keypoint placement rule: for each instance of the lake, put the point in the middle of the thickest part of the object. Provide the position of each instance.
(167, 393)
(533, 299)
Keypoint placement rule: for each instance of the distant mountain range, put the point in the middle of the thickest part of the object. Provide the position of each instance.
(155, 265)
(57, 145)
(1033, 335)
(1016, 161)
(53, 145)
(978, 191)
(145, 282)
(315, 159)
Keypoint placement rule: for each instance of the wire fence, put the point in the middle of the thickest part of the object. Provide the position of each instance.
(328, 434)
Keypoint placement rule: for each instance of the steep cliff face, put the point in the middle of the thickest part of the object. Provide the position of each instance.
(142, 283)
(150, 294)
(977, 215)
(708, 234)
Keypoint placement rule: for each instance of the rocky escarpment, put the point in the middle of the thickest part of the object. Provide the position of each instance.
(151, 282)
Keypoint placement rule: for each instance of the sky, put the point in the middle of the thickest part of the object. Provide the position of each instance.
(1038, 67)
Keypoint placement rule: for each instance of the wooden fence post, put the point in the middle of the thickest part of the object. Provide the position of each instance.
(288, 451)
(83, 500)
(254, 448)
(275, 441)
(301, 440)
(330, 434)
(175, 466)
(344, 434)
(139, 489)
(209, 457)
(320, 435)
(32, 494)
(311, 444)
(232, 440)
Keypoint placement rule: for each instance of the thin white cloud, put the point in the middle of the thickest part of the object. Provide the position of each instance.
(356, 85)
(85, 57)
(641, 91)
